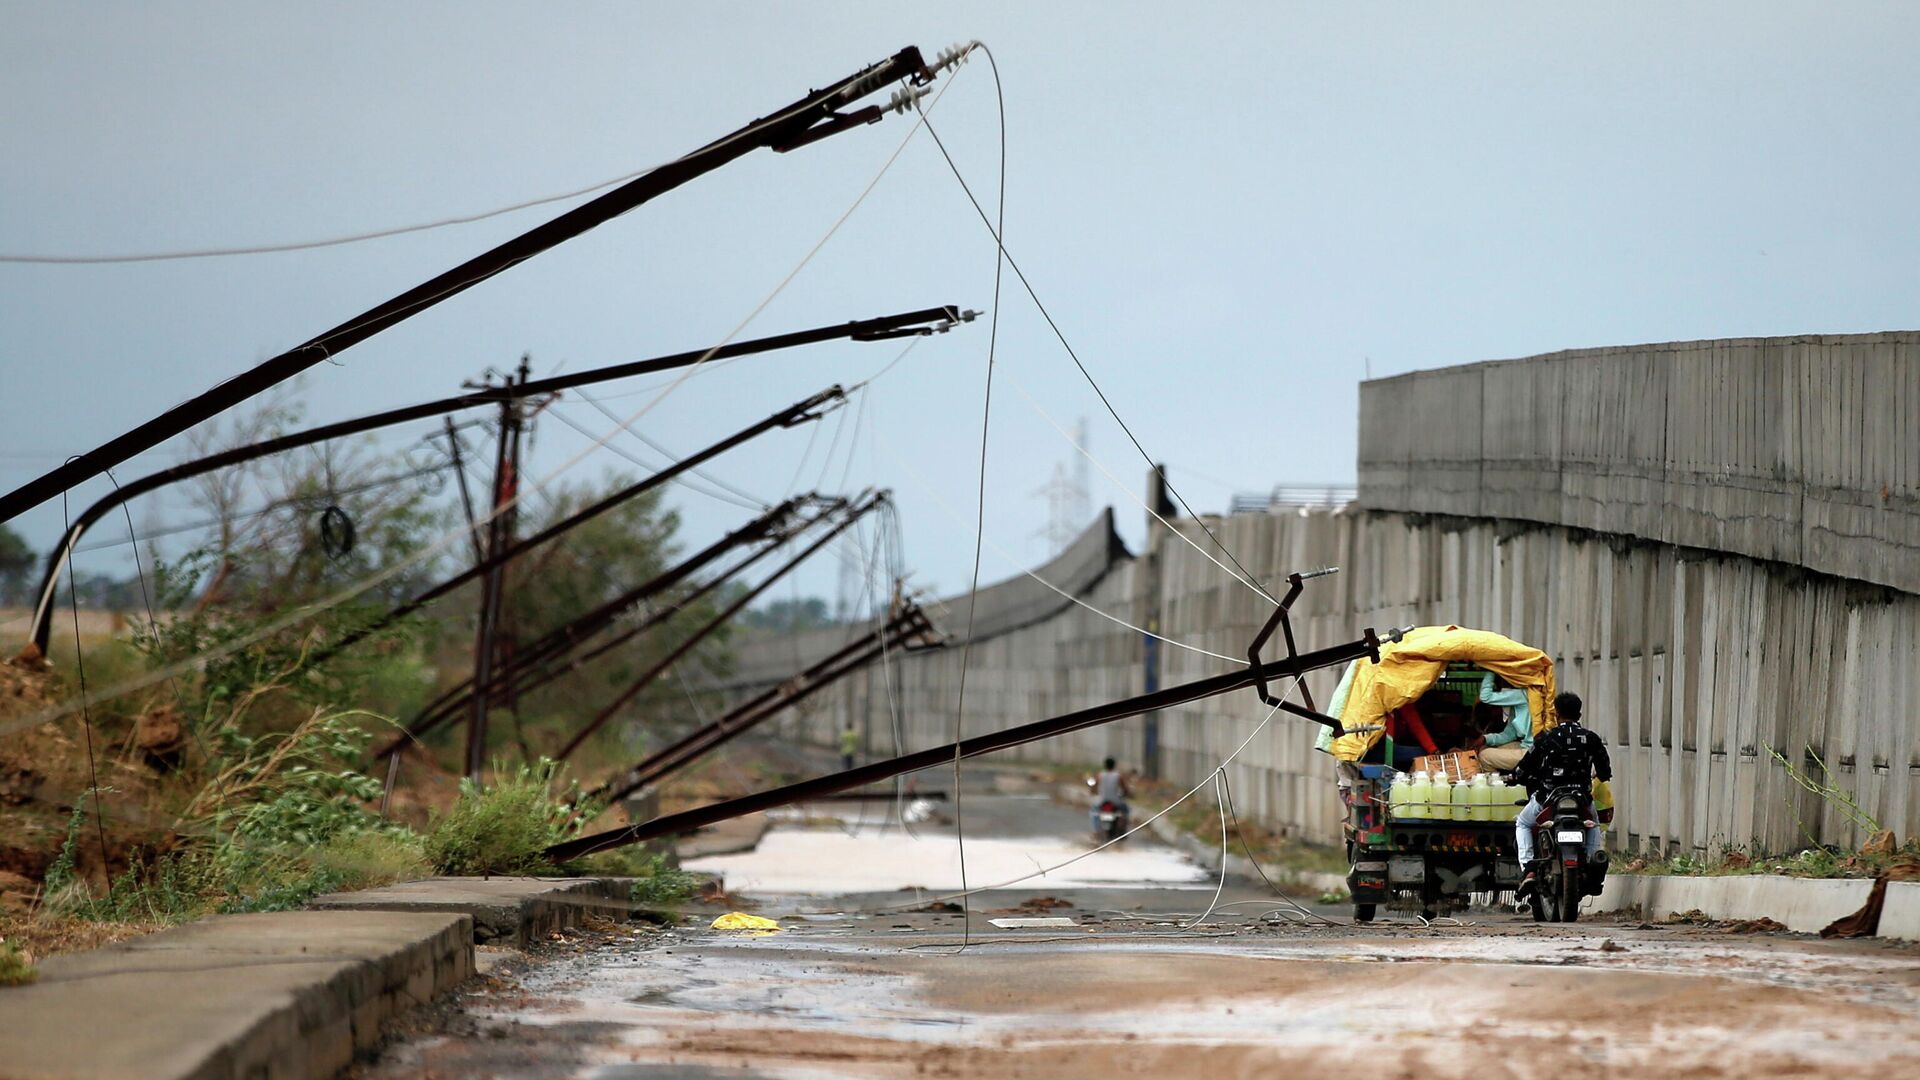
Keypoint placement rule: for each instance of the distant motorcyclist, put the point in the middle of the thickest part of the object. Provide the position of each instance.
(1566, 756)
(1108, 787)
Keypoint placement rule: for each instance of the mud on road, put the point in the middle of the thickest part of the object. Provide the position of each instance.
(1131, 985)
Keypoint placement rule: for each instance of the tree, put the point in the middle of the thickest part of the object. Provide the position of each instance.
(583, 568)
(17, 562)
(789, 616)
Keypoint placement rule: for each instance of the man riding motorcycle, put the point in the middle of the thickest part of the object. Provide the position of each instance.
(1109, 787)
(1567, 756)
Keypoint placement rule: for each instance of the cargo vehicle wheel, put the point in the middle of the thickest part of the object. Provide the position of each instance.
(1363, 912)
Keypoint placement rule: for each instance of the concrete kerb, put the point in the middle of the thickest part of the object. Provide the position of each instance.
(295, 994)
(504, 910)
(1900, 918)
(289, 994)
(1803, 905)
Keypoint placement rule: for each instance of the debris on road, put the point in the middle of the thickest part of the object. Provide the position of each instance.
(740, 920)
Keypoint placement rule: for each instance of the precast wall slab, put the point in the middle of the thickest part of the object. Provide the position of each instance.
(1694, 667)
(1802, 450)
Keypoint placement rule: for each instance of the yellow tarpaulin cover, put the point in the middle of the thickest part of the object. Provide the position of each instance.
(740, 920)
(1409, 668)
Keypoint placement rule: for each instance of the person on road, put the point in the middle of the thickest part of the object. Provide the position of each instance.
(1565, 756)
(849, 746)
(1501, 750)
(1109, 786)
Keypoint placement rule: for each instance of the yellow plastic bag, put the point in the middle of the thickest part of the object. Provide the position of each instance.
(1602, 795)
(740, 920)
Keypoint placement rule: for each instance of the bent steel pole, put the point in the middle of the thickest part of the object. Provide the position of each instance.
(563, 637)
(899, 631)
(1367, 645)
(720, 619)
(920, 323)
(539, 663)
(806, 120)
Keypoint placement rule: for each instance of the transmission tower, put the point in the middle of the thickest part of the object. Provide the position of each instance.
(1069, 497)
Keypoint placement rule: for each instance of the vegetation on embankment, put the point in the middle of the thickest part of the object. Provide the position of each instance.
(230, 776)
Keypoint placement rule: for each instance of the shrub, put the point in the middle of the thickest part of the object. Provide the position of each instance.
(505, 828)
(661, 882)
(15, 968)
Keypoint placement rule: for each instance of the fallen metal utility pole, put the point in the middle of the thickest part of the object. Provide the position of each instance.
(767, 525)
(909, 324)
(907, 630)
(721, 618)
(1256, 674)
(546, 659)
(807, 120)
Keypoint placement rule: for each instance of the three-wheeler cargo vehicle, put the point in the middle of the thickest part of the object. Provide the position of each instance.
(1420, 842)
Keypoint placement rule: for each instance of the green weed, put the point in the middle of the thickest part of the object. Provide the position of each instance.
(662, 883)
(504, 828)
(15, 968)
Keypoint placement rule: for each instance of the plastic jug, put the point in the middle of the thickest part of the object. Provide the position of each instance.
(1419, 794)
(1502, 795)
(1481, 799)
(1462, 799)
(1397, 794)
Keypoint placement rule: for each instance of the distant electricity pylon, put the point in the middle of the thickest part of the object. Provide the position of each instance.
(1069, 497)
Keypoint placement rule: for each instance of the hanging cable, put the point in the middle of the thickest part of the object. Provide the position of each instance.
(1191, 792)
(1000, 244)
(1012, 563)
(436, 548)
(753, 502)
(979, 528)
(86, 713)
(1127, 490)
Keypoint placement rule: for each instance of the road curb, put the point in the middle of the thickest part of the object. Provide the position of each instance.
(1900, 918)
(1803, 905)
(504, 910)
(293, 994)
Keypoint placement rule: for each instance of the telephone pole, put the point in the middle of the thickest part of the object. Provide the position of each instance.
(500, 527)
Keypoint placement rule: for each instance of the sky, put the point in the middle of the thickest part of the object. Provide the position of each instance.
(1235, 213)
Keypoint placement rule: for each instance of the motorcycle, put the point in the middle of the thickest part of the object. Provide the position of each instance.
(1566, 873)
(1110, 818)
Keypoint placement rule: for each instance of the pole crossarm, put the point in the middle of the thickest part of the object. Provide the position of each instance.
(812, 117)
(913, 323)
(872, 773)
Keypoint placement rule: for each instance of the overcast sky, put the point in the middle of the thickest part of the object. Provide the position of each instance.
(1234, 211)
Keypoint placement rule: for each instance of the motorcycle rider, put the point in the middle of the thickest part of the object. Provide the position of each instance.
(1109, 786)
(1566, 755)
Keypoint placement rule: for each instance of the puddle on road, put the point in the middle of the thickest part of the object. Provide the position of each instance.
(771, 1007)
(827, 862)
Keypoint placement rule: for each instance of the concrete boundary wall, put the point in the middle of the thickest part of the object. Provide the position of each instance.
(1693, 666)
(1800, 450)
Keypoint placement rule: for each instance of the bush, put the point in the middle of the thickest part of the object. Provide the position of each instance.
(661, 882)
(505, 828)
(15, 968)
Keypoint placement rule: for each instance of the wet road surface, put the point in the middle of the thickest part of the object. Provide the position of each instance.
(876, 982)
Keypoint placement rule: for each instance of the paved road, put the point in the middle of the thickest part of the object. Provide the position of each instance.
(875, 982)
